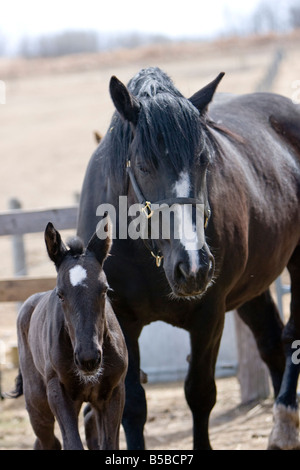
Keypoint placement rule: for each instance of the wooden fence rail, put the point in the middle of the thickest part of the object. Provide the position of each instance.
(19, 222)
(18, 289)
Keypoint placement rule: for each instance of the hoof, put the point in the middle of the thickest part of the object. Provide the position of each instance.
(285, 432)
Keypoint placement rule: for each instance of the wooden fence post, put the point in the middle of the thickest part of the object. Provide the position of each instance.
(19, 258)
(252, 373)
(18, 249)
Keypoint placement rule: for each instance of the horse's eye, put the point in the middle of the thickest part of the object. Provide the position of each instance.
(102, 296)
(143, 169)
(60, 295)
(103, 291)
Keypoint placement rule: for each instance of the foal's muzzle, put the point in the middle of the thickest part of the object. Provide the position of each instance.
(88, 362)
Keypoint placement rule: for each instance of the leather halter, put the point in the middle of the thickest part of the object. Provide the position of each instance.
(148, 211)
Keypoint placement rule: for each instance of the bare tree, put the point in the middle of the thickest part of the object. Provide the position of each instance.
(295, 16)
(2, 44)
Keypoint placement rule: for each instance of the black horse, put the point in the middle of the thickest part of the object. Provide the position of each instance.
(240, 163)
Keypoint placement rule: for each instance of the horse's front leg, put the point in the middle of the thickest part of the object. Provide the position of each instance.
(66, 412)
(135, 410)
(200, 388)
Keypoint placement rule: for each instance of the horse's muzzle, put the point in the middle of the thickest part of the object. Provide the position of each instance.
(192, 283)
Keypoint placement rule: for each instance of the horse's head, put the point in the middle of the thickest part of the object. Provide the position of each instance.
(169, 153)
(81, 292)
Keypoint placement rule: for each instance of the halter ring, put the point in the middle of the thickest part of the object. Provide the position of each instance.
(157, 258)
(147, 209)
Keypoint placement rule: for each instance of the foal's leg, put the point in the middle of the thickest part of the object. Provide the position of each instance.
(102, 422)
(108, 419)
(200, 388)
(66, 412)
(42, 421)
(40, 414)
(262, 317)
(90, 428)
(284, 434)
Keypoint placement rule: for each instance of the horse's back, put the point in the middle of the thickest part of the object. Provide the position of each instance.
(270, 109)
(260, 156)
(264, 134)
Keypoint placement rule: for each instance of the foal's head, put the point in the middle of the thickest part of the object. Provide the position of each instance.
(81, 292)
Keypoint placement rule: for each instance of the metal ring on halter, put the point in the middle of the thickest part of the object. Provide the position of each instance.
(147, 209)
(207, 218)
(158, 259)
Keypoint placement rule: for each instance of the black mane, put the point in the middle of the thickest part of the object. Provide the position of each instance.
(166, 116)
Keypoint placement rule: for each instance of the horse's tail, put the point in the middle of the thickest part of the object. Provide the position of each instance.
(18, 391)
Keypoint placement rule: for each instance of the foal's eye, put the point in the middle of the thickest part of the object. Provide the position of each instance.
(103, 292)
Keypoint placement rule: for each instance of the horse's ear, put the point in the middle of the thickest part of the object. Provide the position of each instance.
(100, 247)
(126, 104)
(203, 97)
(97, 136)
(55, 247)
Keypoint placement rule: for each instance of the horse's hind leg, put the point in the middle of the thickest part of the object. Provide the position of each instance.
(284, 434)
(262, 317)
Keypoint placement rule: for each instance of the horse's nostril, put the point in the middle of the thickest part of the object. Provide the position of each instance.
(182, 271)
(211, 266)
(99, 358)
(76, 360)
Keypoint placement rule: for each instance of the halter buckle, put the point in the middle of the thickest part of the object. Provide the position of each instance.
(207, 218)
(158, 259)
(147, 209)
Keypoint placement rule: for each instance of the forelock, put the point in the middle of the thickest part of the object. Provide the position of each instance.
(76, 246)
(174, 121)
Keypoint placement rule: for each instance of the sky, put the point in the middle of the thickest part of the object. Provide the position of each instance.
(188, 18)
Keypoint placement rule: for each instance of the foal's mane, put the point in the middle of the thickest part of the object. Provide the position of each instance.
(76, 246)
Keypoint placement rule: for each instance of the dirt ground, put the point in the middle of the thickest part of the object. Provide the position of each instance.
(169, 423)
(46, 139)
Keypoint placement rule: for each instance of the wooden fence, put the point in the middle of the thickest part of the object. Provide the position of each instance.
(16, 223)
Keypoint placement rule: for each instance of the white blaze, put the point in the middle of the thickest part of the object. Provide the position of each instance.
(187, 230)
(77, 275)
(182, 186)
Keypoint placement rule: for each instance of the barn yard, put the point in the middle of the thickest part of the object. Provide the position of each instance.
(46, 134)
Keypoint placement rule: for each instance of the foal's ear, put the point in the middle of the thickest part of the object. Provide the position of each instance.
(203, 97)
(126, 104)
(55, 246)
(100, 247)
